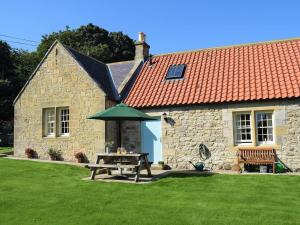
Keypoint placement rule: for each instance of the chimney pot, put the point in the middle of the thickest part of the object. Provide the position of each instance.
(142, 37)
(141, 48)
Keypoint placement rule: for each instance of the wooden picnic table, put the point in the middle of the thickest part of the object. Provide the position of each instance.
(109, 161)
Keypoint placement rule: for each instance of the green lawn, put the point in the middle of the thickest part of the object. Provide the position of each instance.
(6, 149)
(39, 193)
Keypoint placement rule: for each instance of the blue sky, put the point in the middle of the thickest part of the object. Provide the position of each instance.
(170, 25)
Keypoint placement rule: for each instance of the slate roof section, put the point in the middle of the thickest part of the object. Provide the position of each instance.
(119, 71)
(98, 71)
(269, 70)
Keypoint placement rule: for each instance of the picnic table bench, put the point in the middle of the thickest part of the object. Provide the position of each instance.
(136, 162)
(257, 156)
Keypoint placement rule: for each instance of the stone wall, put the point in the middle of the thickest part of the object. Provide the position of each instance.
(188, 127)
(60, 81)
(290, 148)
(131, 139)
(212, 125)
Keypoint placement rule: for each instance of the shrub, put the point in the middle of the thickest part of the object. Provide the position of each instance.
(30, 153)
(54, 154)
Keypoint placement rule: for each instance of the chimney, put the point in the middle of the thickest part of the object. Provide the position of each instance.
(141, 48)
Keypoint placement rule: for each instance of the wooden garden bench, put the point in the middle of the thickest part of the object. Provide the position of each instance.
(257, 156)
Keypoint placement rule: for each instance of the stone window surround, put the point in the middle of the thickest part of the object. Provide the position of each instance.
(57, 126)
(254, 138)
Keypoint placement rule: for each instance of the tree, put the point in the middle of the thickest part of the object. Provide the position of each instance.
(6, 63)
(94, 41)
(25, 62)
(122, 47)
(15, 68)
(6, 85)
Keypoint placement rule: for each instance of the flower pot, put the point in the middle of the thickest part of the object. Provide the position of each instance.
(30, 153)
(161, 166)
(29, 156)
(80, 160)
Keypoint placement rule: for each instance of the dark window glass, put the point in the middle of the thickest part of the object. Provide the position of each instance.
(175, 72)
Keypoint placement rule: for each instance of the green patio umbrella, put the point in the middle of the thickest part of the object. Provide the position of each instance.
(121, 112)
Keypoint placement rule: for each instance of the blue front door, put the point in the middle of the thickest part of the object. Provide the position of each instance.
(151, 140)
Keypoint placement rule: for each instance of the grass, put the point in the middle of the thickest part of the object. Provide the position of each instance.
(40, 193)
(5, 150)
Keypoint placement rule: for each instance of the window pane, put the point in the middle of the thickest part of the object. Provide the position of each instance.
(264, 127)
(64, 123)
(49, 121)
(243, 128)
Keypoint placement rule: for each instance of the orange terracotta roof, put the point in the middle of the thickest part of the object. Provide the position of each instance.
(269, 70)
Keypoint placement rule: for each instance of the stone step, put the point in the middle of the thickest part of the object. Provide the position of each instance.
(3, 155)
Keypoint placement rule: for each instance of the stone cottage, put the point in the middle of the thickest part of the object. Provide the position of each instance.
(224, 98)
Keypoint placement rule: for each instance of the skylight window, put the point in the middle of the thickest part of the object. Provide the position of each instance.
(175, 72)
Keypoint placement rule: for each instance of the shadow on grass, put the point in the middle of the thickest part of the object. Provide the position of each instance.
(187, 174)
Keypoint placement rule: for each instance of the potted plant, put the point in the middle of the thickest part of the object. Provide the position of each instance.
(30, 153)
(109, 146)
(80, 156)
(161, 165)
(54, 154)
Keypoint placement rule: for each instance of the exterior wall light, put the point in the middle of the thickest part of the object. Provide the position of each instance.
(168, 119)
(165, 117)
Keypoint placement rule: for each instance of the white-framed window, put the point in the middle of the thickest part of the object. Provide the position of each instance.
(49, 122)
(264, 128)
(243, 128)
(64, 121)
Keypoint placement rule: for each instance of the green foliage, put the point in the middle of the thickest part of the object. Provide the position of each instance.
(7, 77)
(15, 68)
(34, 193)
(94, 41)
(54, 154)
(25, 62)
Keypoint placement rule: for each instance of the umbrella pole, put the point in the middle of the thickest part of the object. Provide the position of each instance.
(120, 133)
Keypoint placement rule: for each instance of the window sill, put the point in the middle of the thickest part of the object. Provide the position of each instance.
(275, 146)
(63, 136)
(49, 137)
